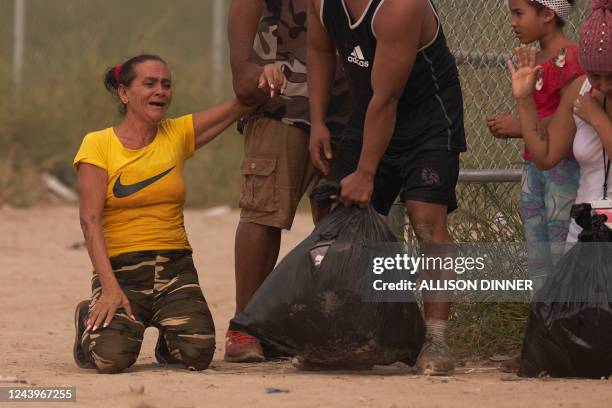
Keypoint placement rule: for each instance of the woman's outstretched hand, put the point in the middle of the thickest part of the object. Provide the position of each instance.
(273, 79)
(525, 75)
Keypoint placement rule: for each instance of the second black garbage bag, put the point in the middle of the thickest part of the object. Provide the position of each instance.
(312, 306)
(569, 331)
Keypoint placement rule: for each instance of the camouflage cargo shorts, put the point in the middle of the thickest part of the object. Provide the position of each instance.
(163, 290)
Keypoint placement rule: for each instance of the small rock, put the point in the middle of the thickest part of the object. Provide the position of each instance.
(77, 246)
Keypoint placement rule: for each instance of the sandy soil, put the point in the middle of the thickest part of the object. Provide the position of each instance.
(45, 272)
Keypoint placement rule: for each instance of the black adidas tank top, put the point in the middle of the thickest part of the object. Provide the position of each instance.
(434, 74)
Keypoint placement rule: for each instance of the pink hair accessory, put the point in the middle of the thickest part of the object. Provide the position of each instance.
(118, 71)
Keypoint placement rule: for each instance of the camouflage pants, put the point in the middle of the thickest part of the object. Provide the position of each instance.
(163, 290)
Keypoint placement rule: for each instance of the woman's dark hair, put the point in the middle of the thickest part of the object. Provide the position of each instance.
(124, 74)
(540, 7)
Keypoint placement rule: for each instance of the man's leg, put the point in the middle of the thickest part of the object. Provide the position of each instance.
(276, 172)
(429, 195)
(429, 223)
(256, 253)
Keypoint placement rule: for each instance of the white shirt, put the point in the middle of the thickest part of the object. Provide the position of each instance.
(588, 151)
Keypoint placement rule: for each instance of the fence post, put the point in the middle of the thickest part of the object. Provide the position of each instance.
(18, 47)
(219, 24)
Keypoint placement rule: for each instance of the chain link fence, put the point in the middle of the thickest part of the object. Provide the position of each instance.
(482, 40)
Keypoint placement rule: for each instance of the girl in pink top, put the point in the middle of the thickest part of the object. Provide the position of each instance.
(546, 196)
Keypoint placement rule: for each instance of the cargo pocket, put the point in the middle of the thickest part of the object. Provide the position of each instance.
(258, 185)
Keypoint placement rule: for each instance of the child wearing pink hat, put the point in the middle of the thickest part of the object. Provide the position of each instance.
(582, 123)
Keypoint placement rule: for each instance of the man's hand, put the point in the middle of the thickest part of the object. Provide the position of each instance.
(504, 126)
(246, 85)
(320, 147)
(357, 188)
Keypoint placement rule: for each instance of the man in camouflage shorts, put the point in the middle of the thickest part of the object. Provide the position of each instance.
(163, 290)
(277, 169)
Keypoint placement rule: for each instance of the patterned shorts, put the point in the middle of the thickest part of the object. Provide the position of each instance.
(546, 200)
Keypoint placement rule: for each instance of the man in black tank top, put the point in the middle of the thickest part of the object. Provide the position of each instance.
(406, 130)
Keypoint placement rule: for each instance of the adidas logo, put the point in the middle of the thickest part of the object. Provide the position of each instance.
(357, 57)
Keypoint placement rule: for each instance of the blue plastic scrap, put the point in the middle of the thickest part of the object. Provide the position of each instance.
(272, 390)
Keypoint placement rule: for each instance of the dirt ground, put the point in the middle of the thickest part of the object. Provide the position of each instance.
(45, 272)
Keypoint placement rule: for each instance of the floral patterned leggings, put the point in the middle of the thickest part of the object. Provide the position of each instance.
(546, 200)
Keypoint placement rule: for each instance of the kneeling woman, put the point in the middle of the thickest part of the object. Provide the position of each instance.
(130, 180)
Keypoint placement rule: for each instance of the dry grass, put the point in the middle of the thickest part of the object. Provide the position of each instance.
(20, 182)
(485, 329)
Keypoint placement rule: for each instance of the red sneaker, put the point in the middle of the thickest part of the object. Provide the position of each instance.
(242, 348)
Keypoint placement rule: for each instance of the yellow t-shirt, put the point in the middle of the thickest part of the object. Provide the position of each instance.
(146, 192)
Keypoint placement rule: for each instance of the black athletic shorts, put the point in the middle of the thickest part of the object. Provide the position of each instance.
(417, 174)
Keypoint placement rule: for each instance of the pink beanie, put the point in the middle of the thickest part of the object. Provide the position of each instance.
(596, 38)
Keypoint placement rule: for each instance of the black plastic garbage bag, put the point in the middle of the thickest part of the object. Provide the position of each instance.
(569, 331)
(311, 305)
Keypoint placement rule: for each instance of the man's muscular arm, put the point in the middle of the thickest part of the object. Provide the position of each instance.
(398, 28)
(321, 67)
(244, 16)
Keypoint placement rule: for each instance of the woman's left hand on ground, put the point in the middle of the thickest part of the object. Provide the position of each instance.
(105, 308)
(273, 79)
(588, 108)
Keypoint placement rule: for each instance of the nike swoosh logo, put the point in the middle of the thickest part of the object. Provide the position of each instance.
(124, 190)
